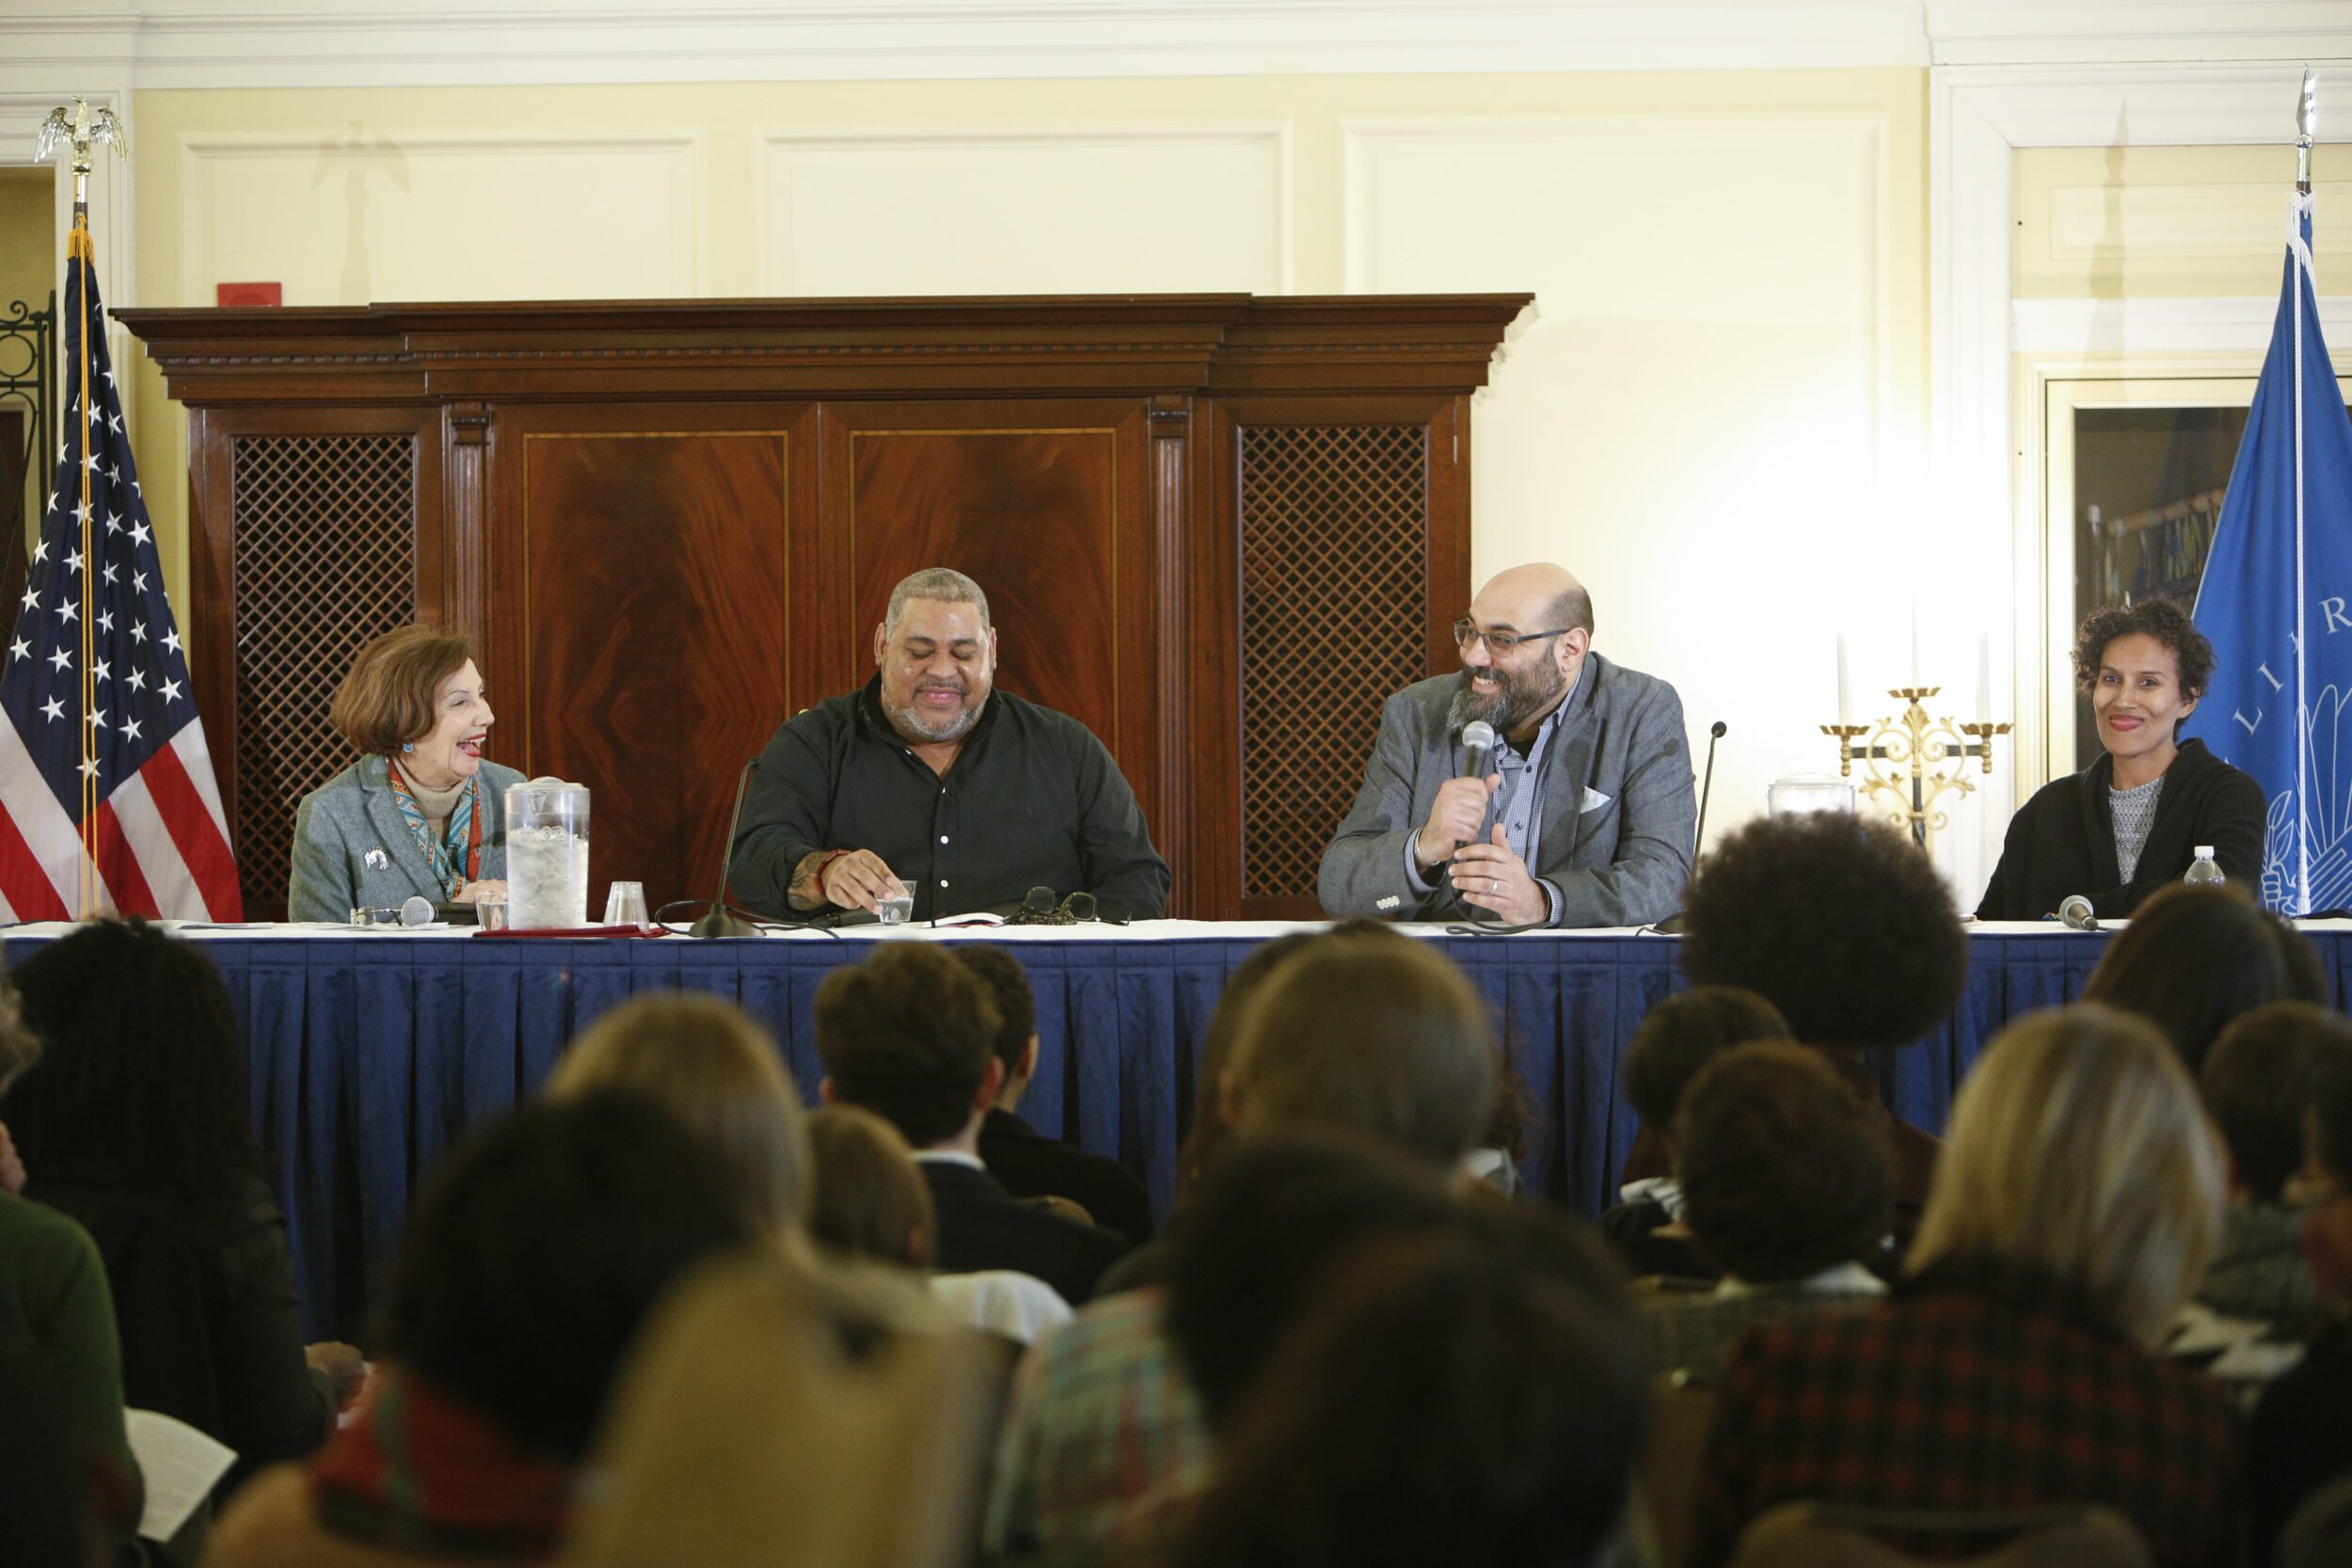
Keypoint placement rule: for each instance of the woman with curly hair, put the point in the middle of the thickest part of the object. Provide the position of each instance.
(2132, 822)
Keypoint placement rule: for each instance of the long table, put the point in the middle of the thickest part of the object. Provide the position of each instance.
(372, 1051)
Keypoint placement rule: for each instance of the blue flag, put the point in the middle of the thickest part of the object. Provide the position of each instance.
(2274, 601)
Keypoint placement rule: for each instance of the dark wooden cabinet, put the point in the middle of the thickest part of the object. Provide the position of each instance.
(1218, 530)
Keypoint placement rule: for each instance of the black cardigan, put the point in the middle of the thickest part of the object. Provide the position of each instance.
(2062, 841)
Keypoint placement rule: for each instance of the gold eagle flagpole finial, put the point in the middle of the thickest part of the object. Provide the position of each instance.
(81, 128)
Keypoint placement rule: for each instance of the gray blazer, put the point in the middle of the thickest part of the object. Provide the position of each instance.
(1619, 810)
(352, 848)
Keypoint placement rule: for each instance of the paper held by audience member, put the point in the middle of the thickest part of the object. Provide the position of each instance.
(181, 1466)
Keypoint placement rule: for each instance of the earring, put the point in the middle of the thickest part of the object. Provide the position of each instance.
(408, 745)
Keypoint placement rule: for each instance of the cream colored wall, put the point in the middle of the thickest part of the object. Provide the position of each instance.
(28, 262)
(2171, 222)
(1715, 415)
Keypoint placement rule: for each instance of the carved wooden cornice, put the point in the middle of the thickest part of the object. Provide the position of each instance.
(1048, 345)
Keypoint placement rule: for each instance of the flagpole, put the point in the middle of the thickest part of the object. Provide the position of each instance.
(2299, 268)
(83, 130)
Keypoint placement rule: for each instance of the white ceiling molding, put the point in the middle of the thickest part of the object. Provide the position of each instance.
(1978, 117)
(2047, 327)
(184, 43)
(294, 43)
(2060, 32)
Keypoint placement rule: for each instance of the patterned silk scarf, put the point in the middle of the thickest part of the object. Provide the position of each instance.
(462, 846)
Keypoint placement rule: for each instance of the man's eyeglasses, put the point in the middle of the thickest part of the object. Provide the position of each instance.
(1038, 908)
(1499, 643)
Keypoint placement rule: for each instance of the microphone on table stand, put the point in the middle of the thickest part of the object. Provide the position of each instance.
(1672, 924)
(2076, 912)
(720, 922)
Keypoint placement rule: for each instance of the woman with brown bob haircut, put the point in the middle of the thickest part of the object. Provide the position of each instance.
(421, 813)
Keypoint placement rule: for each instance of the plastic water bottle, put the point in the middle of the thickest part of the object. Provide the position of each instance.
(2202, 871)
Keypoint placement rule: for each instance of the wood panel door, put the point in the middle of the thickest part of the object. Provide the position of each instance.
(1048, 506)
(639, 606)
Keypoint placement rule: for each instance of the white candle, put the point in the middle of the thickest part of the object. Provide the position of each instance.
(1844, 685)
(1984, 678)
(1915, 642)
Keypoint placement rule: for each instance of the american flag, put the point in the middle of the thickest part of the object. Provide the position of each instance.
(107, 801)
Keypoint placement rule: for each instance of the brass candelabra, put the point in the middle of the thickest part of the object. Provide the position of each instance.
(1912, 761)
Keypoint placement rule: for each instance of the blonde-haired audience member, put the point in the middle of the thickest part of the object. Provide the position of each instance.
(2078, 1196)
(718, 1073)
(872, 1203)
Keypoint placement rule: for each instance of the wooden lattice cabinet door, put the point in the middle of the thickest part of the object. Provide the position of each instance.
(1350, 538)
(324, 559)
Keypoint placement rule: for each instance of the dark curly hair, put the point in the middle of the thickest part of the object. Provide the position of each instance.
(1841, 924)
(908, 1034)
(1785, 1169)
(2162, 619)
(141, 1082)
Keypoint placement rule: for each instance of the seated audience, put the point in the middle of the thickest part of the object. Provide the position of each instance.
(2255, 1305)
(64, 1500)
(874, 1205)
(531, 1255)
(1029, 1163)
(1785, 1185)
(1676, 1037)
(765, 1420)
(2301, 1435)
(909, 1035)
(1847, 928)
(1446, 1399)
(872, 1201)
(718, 1074)
(1370, 1033)
(2195, 957)
(1207, 1131)
(54, 1305)
(134, 1123)
(2074, 1209)
(1107, 1446)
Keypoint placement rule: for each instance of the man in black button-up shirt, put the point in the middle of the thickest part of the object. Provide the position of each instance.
(927, 773)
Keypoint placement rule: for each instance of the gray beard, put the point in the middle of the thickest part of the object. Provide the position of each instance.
(908, 723)
(1519, 701)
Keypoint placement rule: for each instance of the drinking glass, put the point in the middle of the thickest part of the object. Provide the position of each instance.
(899, 911)
(625, 904)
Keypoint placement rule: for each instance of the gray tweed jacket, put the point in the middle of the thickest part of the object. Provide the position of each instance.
(1618, 807)
(352, 849)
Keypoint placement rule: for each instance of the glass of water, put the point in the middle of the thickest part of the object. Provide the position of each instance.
(900, 910)
(624, 904)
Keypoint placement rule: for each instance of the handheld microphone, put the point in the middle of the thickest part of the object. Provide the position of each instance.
(719, 923)
(1673, 925)
(417, 911)
(2076, 912)
(1478, 748)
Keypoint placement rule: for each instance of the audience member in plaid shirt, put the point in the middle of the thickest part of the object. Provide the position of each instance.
(2079, 1194)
